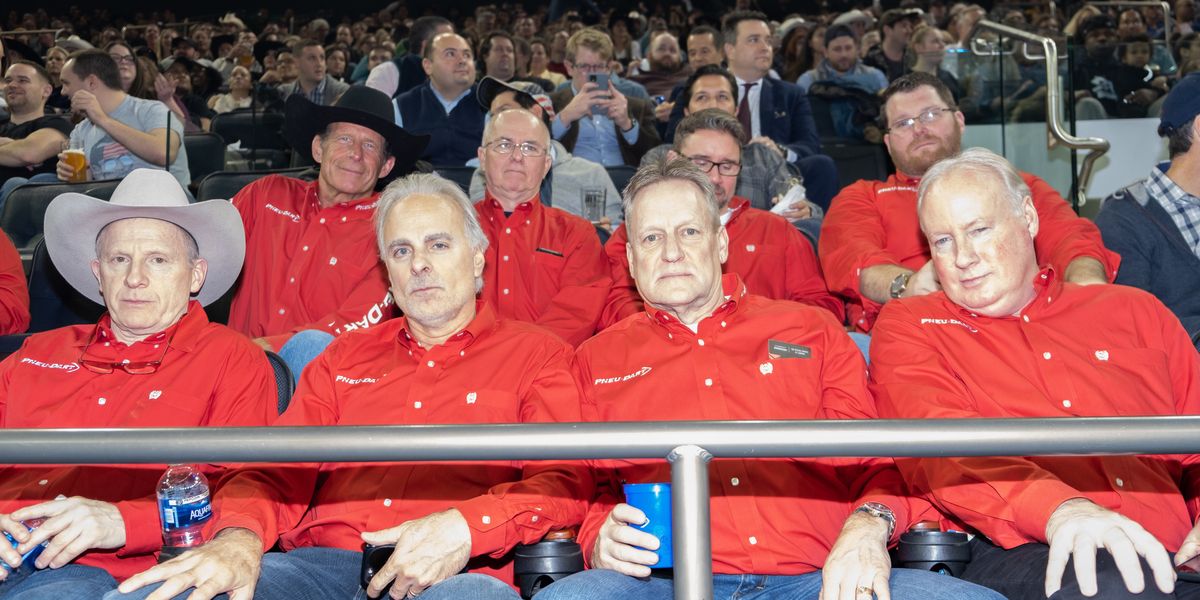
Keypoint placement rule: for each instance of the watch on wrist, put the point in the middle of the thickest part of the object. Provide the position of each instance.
(876, 509)
(899, 284)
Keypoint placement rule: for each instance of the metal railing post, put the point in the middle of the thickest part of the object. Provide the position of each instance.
(690, 529)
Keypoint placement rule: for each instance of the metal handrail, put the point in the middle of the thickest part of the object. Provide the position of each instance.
(688, 445)
(1095, 146)
(15, 32)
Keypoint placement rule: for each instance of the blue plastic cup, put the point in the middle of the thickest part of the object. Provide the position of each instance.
(654, 499)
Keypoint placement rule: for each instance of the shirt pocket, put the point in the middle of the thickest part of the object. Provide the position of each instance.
(165, 407)
(548, 271)
(478, 406)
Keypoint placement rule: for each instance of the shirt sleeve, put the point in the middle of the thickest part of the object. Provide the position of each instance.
(574, 311)
(1064, 236)
(853, 238)
(370, 301)
(14, 292)
(1008, 499)
(623, 298)
(550, 495)
(607, 492)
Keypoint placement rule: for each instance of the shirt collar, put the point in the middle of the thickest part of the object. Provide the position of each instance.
(906, 179)
(1047, 287)
(532, 205)
(737, 206)
(364, 205)
(186, 332)
(731, 286)
(1159, 185)
(484, 322)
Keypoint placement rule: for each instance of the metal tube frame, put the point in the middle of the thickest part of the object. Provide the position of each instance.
(688, 445)
(1095, 146)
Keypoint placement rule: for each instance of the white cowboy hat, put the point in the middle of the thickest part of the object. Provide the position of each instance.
(73, 221)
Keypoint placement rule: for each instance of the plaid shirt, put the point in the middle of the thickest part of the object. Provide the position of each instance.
(317, 95)
(1183, 207)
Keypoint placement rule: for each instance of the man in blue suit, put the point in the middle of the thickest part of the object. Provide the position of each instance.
(776, 113)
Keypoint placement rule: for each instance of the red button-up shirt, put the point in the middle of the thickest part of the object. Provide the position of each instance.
(307, 267)
(771, 256)
(14, 292)
(209, 376)
(769, 516)
(544, 266)
(1075, 351)
(875, 223)
(494, 371)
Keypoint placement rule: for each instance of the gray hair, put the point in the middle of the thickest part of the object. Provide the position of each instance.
(709, 119)
(430, 184)
(665, 169)
(978, 161)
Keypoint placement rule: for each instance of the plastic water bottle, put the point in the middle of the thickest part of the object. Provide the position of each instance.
(33, 553)
(184, 506)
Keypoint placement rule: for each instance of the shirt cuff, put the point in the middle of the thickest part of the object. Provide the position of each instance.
(557, 128)
(142, 536)
(1034, 505)
(631, 136)
(488, 521)
(791, 155)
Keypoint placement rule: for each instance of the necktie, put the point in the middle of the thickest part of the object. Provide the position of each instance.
(743, 113)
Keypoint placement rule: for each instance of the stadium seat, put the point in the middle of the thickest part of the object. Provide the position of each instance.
(102, 189)
(24, 214)
(460, 175)
(223, 185)
(285, 384)
(258, 133)
(206, 154)
(620, 176)
(53, 303)
(856, 160)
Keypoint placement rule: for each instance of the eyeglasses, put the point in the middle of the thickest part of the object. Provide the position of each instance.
(925, 118)
(528, 149)
(122, 59)
(728, 168)
(104, 367)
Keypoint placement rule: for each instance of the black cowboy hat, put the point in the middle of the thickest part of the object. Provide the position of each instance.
(360, 105)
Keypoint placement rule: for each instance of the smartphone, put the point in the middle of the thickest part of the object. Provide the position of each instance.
(600, 79)
(374, 557)
(1190, 570)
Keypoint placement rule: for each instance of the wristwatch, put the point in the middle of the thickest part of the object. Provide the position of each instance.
(899, 284)
(876, 509)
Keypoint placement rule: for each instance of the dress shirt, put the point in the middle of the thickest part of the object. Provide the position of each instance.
(544, 265)
(209, 376)
(14, 291)
(447, 103)
(597, 139)
(493, 371)
(770, 255)
(752, 359)
(307, 267)
(875, 223)
(1074, 351)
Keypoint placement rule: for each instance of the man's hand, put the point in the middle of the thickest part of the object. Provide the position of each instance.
(65, 171)
(1085, 270)
(858, 564)
(619, 546)
(581, 105)
(1142, 97)
(164, 89)
(617, 108)
(73, 526)
(923, 281)
(1077, 528)
(800, 209)
(428, 550)
(230, 563)
(662, 112)
(88, 104)
(1190, 548)
(8, 552)
(264, 344)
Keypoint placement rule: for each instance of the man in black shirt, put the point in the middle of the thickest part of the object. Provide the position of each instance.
(30, 140)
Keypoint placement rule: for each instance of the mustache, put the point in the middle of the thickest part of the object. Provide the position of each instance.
(421, 282)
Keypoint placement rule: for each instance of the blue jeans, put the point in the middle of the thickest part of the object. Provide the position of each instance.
(316, 573)
(15, 182)
(906, 584)
(71, 581)
(863, 341)
(301, 348)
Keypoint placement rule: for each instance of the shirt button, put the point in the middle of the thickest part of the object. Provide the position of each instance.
(486, 520)
(1120, 482)
(417, 404)
(1066, 403)
(722, 323)
(1025, 318)
(429, 364)
(507, 230)
(505, 259)
(533, 519)
(343, 219)
(462, 352)
(1046, 355)
(322, 221)
(387, 501)
(753, 541)
(505, 291)
(701, 342)
(735, 481)
(332, 260)
(708, 382)
(292, 280)
(102, 401)
(44, 482)
(305, 248)
(281, 311)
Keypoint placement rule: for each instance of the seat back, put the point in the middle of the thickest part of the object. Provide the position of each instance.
(857, 160)
(620, 176)
(458, 174)
(102, 189)
(24, 214)
(285, 383)
(253, 128)
(224, 185)
(53, 303)
(822, 115)
(205, 153)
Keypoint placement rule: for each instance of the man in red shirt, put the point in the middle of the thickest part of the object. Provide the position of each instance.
(771, 256)
(450, 359)
(785, 528)
(14, 291)
(871, 246)
(311, 263)
(153, 360)
(1006, 337)
(544, 265)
